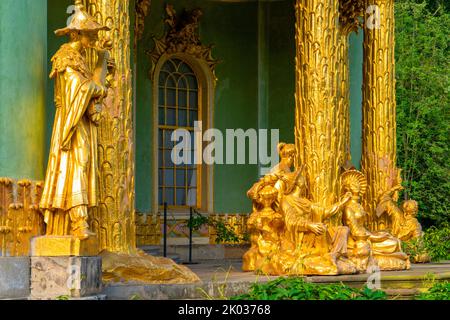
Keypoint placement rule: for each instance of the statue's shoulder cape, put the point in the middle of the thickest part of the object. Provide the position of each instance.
(68, 57)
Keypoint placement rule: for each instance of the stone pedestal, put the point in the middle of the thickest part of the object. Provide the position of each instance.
(14, 277)
(63, 246)
(65, 277)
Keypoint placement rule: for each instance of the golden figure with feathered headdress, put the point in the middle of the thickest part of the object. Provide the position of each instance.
(367, 248)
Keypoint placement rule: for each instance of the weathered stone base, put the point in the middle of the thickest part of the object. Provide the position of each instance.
(14, 277)
(63, 246)
(225, 279)
(65, 277)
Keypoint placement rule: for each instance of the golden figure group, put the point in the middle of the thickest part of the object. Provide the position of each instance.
(295, 226)
(292, 235)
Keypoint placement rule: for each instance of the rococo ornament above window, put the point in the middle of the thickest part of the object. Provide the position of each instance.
(182, 37)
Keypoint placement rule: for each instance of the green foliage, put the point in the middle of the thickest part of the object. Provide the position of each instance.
(423, 117)
(439, 291)
(435, 243)
(224, 233)
(293, 288)
(414, 248)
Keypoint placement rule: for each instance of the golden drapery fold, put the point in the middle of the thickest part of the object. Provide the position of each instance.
(71, 178)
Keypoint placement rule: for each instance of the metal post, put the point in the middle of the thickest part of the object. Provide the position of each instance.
(190, 235)
(165, 230)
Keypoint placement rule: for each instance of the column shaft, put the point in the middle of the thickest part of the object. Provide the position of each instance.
(379, 118)
(114, 219)
(319, 143)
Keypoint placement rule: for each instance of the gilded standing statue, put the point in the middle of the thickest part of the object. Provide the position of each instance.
(70, 187)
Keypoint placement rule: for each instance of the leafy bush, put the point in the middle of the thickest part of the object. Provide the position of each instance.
(292, 288)
(423, 117)
(435, 243)
(224, 233)
(439, 291)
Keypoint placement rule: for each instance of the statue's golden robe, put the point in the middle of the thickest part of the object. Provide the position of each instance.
(71, 178)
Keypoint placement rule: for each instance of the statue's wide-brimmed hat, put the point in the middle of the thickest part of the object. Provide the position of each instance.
(81, 21)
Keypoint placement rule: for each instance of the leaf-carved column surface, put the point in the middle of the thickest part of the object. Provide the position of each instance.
(379, 107)
(319, 142)
(20, 217)
(113, 220)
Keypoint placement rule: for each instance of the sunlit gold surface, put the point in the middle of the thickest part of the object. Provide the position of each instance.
(402, 220)
(70, 188)
(379, 115)
(289, 233)
(139, 267)
(368, 248)
(113, 220)
(20, 218)
(63, 246)
(319, 143)
(148, 229)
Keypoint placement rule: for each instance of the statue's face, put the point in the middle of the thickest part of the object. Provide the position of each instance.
(88, 39)
(410, 209)
(289, 160)
(355, 189)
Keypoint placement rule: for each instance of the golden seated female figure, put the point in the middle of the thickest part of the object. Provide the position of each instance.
(309, 246)
(368, 248)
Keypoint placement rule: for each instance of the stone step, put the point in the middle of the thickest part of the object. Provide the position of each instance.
(225, 279)
(152, 250)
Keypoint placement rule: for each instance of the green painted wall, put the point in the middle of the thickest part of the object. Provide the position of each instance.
(356, 80)
(23, 61)
(57, 18)
(232, 28)
(282, 68)
(282, 76)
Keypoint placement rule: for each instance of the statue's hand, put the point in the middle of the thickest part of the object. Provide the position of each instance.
(346, 198)
(95, 118)
(316, 228)
(94, 112)
(379, 236)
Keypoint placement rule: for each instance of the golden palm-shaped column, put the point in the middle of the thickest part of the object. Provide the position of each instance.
(113, 220)
(379, 124)
(320, 144)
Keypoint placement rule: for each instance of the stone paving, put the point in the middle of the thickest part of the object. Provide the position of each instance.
(225, 278)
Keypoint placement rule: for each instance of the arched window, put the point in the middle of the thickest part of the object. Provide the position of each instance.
(178, 107)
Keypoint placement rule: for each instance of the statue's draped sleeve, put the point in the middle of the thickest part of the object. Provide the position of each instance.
(78, 94)
(72, 166)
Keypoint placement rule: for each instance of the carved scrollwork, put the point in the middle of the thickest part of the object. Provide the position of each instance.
(350, 12)
(182, 37)
(142, 9)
